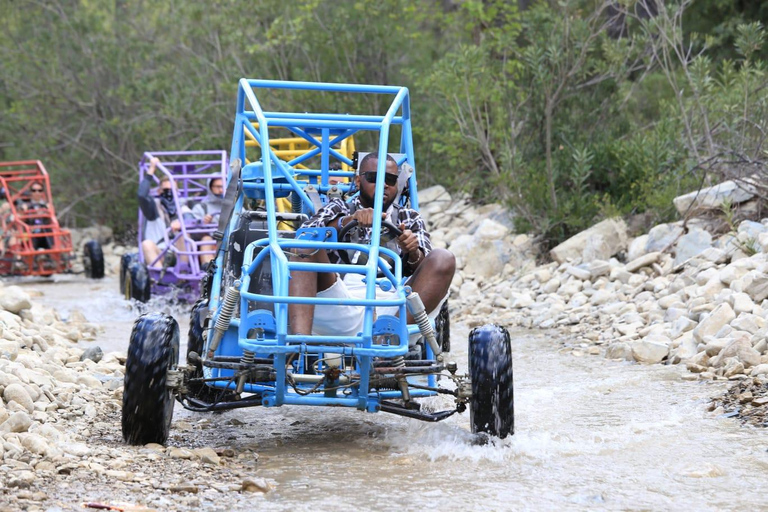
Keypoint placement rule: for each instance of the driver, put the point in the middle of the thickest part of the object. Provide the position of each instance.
(431, 270)
(159, 215)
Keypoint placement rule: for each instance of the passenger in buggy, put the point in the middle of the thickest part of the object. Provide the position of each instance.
(431, 270)
(207, 211)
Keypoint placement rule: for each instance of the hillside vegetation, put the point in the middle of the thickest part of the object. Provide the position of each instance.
(565, 111)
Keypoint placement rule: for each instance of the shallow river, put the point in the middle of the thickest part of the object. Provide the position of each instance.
(590, 434)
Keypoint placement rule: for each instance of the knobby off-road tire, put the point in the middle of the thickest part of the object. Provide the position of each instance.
(93, 260)
(491, 408)
(136, 282)
(195, 344)
(147, 402)
(125, 263)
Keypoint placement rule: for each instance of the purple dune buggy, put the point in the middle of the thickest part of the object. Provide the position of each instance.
(177, 271)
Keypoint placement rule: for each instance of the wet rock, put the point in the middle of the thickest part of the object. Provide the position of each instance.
(651, 349)
(93, 353)
(619, 350)
(256, 485)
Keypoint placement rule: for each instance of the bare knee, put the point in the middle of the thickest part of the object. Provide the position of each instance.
(442, 261)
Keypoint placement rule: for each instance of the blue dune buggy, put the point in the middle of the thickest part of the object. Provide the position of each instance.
(240, 351)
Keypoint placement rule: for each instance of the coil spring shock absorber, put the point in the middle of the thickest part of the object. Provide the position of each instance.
(419, 313)
(246, 359)
(225, 315)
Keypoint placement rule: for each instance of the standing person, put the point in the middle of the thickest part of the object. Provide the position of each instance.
(431, 270)
(160, 213)
(207, 211)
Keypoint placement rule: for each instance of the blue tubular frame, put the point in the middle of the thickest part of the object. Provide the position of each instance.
(277, 176)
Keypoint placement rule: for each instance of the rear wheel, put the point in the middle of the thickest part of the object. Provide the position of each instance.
(136, 283)
(125, 263)
(491, 408)
(93, 260)
(147, 402)
(195, 344)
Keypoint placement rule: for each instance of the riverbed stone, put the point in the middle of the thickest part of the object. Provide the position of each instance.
(722, 314)
(18, 393)
(651, 349)
(14, 299)
(739, 349)
(614, 239)
(17, 422)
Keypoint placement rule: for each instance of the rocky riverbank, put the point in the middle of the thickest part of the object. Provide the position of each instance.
(676, 295)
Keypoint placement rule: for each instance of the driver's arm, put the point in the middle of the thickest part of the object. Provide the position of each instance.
(415, 241)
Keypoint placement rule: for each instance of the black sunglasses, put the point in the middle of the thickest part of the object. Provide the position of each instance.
(36, 189)
(389, 179)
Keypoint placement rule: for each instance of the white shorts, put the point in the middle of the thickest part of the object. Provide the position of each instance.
(331, 320)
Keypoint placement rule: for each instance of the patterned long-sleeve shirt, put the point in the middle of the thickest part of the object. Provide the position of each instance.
(396, 215)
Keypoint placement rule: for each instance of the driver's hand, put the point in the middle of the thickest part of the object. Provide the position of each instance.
(407, 241)
(364, 217)
(176, 225)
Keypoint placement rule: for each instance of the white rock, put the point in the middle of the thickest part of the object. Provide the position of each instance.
(17, 422)
(19, 394)
(491, 230)
(579, 273)
(740, 349)
(651, 349)
(741, 303)
(14, 299)
(551, 286)
(643, 261)
(723, 314)
(612, 231)
(713, 197)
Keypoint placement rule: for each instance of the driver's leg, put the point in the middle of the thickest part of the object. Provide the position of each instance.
(151, 252)
(433, 278)
(307, 284)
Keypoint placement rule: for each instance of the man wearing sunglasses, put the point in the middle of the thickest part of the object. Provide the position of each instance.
(430, 270)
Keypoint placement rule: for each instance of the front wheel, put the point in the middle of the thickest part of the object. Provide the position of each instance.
(93, 260)
(491, 408)
(147, 401)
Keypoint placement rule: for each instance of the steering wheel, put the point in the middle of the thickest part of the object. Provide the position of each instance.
(344, 255)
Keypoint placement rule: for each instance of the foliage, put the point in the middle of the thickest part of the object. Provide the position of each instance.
(566, 111)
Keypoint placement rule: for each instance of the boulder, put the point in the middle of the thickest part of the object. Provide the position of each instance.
(14, 299)
(651, 349)
(614, 240)
(714, 197)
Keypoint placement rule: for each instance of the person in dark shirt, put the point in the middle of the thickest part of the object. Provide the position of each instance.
(431, 270)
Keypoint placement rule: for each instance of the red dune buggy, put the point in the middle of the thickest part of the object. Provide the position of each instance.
(31, 241)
